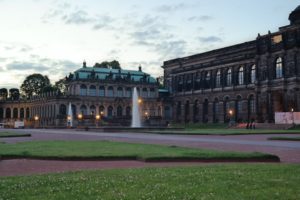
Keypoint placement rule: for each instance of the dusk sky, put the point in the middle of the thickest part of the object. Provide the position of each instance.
(53, 37)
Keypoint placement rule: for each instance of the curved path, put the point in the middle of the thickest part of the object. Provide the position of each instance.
(288, 151)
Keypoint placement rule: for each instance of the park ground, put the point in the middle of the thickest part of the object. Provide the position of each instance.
(205, 179)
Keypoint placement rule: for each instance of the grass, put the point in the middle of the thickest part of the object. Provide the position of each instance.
(106, 150)
(12, 134)
(285, 138)
(230, 181)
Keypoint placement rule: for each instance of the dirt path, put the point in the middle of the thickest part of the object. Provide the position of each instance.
(17, 167)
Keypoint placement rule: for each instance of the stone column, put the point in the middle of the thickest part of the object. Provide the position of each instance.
(210, 112)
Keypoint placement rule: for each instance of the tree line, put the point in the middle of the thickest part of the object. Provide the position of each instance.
(34, 84)
(37, 84)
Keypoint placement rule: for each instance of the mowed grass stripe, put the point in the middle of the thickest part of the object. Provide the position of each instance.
(106, 150)
(231, 181)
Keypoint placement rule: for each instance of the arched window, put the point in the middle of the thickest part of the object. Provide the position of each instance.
(62, 109)
(128, 111)
(216, 110)
(8, 113)
(253, 73)
(198, 81)
(178, 109)
(145, 93)
(251, 105)
(22, 113)
(101, 91)
(83, 90)
(119, 111)
(207, 80)
(15, 113)
(101, 110)
(228, 77)
(92, 110)
(239, 106)
(27, 113)
(1, 113)
(128, 92)
(110, 111)
(279, 68)
(152, 92)
(110, 91)
(120, 92)
(167, 112)
(92, 90)
(205, 111)
(74, 111)
(241, 75)
(218, 78)
(83, 110)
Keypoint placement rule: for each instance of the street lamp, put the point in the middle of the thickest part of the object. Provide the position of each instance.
(146, 115)
(97, 120)
(292, 110)
(140, 101)
(231, 122)
(79, 117)
(36, 118)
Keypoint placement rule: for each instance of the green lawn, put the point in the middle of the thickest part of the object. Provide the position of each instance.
(285, 138)
(219, 131)
(230, 181)
(116, 150)
(12, 134)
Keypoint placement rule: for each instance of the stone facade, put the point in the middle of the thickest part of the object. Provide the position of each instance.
(244, 82)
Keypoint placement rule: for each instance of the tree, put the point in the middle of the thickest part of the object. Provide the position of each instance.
(34, 84)
(3, 93)
(61, 85)
(14, 94)
(111, 65)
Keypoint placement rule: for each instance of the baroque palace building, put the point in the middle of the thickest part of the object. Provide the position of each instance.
(91, 92)
(243, 82)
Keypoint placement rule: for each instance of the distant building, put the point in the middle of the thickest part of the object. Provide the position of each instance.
(252, 80)
(91, 92)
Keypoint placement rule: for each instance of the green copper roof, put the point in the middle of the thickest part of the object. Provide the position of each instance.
(103, 73)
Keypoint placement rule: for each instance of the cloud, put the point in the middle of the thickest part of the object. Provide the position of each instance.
(200, 18)
(175, 48)
(210, 39)
(171, 8)
(103, 21)
(71, 15)
(2, 59)
(77, 17)
(24, 66)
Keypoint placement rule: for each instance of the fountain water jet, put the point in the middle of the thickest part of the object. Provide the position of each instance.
(70, 116)
(136, 118)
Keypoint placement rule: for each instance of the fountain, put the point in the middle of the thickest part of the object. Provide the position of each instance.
(136, 118)
(70, 116)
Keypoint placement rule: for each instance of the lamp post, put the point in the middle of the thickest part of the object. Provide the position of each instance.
(36, 118)
(79, 117)
(231, 122)
(292, 110)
